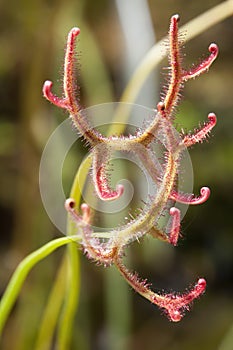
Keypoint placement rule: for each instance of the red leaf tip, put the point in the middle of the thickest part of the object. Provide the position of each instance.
(175, 18)
(69, 204)
(75, 31)
(213, 48)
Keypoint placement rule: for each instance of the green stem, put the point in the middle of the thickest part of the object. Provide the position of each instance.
(21, 272)
(52, 310)
(65, 328)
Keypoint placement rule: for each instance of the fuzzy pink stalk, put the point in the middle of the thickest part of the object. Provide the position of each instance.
(175, 228)
(191, 199)
(110, 251)
(203, 66)
(200, 134)
(69, 101)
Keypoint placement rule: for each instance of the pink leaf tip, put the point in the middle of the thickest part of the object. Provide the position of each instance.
(212, 119)
(213, 48)
(70, 207)
(175, 228)
(175, 18)
(86, 212)
(48, 94)
(69, 204)
(75, 31)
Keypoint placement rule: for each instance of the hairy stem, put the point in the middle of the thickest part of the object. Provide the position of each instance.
(193, 28)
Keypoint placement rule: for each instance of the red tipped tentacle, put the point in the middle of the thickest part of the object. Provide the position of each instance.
(203, 66)
(175, 227)
(100, 176)
(200, 134)
(102, 187)
(190, 198)
(48, 94)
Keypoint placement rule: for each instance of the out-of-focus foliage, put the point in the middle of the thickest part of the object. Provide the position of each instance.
(32, 34)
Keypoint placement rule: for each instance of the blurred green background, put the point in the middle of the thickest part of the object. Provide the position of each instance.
(32, 38)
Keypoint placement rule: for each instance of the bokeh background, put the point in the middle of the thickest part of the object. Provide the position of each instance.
(111, 316)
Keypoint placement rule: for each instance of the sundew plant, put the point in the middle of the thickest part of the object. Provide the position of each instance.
(109, 248)
(112, 251)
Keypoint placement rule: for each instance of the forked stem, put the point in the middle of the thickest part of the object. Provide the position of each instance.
(173, 304)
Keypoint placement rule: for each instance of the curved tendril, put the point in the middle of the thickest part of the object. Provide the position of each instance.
(204, 65)
(100, 176)
(200, 134)
(48, 94)
(102, 188)
(191, 199)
